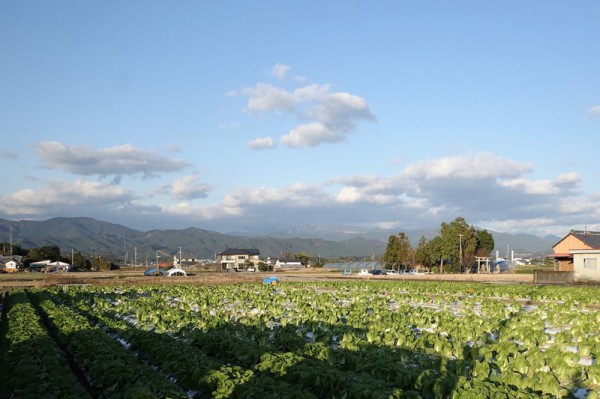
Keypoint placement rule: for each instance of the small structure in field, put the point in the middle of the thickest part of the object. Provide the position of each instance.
(271, 280)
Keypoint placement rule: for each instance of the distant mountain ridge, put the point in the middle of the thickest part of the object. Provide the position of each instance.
(521, 244)
(91, 236)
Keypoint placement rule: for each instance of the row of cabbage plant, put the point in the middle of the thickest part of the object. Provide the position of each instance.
(33, 366)
(258, 371)
(111, 370)
(410, 337)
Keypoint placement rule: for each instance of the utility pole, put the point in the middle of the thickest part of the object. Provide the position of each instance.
(134, 256)
(10, 234)
(460, 251)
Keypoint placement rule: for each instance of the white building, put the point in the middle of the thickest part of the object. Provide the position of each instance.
(586, 264)
(8, 266)
(236, 258)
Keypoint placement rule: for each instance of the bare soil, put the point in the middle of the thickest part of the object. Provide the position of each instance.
(136, 277)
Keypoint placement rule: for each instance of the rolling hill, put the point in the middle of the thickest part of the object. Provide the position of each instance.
(91, 236)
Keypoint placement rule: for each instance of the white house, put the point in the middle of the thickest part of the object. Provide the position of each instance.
(236, 258)
(586, 264)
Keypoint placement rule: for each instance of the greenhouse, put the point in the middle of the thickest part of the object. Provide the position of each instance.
(354, 266)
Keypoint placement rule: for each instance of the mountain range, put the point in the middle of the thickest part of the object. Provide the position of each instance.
(90, 236)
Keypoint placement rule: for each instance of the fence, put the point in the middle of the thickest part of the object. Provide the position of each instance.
(553, 277)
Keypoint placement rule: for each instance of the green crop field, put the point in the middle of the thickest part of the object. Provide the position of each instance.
(358, 339)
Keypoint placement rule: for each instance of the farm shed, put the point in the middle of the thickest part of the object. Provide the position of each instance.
(8, 266)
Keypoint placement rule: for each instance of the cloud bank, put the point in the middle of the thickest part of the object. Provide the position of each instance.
(488, 190)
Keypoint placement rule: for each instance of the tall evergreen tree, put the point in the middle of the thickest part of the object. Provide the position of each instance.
(390, 257)
(459, 239)
(398, 253)
(485, 243)
(421, 256)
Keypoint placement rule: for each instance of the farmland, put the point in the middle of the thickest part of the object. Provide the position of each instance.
(329, 339)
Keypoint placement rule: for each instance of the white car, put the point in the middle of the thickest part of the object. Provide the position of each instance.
(392, 272)
(251, 269)
(364, 272)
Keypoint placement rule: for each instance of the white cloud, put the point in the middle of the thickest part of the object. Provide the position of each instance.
(328, 116)
(561, 184)
(351, 195)
(57, 195)
(541, 187)
(568, 179)
(118, 161)
(340, 111)
(261, 143)
(265, 98)
(280, 71)
(487, 190)
(311, 135)
(188, 188)
(478, 166)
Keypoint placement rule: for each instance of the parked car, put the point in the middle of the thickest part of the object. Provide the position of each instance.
(251, 269)
(347, 272)
(363, 272)
(377, 272)
(392, 272)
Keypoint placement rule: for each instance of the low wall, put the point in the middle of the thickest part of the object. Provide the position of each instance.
(553, 277)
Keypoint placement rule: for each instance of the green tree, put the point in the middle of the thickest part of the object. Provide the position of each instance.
(459, 239)
(80, 262)
(398, 253)
(435, 253)
(303, 257)
(262, 266)
(48, 252)
(421, 255)
(485, 243)
(390, 256)
(100, 263)
(16, 249)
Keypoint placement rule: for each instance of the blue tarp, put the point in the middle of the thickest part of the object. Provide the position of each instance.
(271, 280)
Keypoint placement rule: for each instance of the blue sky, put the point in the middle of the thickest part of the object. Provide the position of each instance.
(256, 116)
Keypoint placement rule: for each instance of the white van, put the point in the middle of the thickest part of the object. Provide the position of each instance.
(364, 272)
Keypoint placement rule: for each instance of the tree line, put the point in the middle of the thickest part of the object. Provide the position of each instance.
(454, 250)
(52, 253)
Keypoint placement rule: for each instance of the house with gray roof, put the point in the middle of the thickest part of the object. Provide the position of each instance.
(574, 241)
